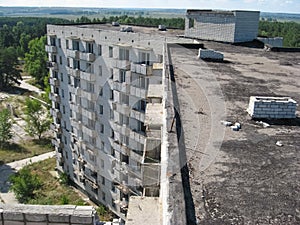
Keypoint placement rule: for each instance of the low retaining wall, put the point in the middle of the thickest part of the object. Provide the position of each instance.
(272, 107)
(47, 215)
(209, 54)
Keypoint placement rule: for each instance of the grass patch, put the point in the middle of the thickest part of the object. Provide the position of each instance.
(55, 192)
(13, 152)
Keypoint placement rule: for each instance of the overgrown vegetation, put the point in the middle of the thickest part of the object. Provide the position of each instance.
(5, 127)
(36, 117)
(13, 152)
(51, 190)
(25, 185)
(140, 21)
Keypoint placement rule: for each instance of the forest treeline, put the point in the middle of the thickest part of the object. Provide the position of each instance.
(24, 38)
(290, 31)
(18, 31)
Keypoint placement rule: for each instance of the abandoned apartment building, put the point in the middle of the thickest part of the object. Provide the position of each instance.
(135, 115)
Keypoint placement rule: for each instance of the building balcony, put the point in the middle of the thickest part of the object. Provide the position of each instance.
(88, 131)
(74, 72)
(122, 129)
(137, 114)
(122, 87)
(121, 64)
(75, 108)
(90, 57)
(138, 92)
(54, 97)
(122, 108)
(141, 69)
(54, 81)
(138, 136)
(52, 65)
(88, 76)
(55, 127)
(57, 143)
(89, 114)
(76, 124)
(55, 113)
(72, 53)
(91, 96)
(51, 49)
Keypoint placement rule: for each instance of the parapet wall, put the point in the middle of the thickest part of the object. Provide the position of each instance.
(272, 107)
(47, 215)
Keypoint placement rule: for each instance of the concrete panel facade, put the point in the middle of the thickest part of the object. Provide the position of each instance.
(225, 26)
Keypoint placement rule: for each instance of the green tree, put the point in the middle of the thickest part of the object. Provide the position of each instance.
(5, 127)
(25, 185)
(36, 117)
(47, 89)
(9, 74)
(35, 60)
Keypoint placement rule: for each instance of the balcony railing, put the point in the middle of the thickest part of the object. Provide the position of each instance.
(52, 65)
(138, 92)
(54, 81)
(137, 114)
(74, 72)
(51, 49)
(54, 97)
(88, 95)
(55, 113)
(55, 127)
(88, 76)
(122, 87)
(141, 69)
(73, 53)
(121, 64)
(90, 57)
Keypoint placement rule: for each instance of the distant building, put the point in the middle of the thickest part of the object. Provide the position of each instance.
(226, 26)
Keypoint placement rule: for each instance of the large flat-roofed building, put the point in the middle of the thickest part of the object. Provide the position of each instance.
(225, 26)
(137, 126)
(108, 129)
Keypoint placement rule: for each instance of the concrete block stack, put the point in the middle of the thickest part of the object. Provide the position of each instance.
(210, 54)
(272, 107)
(47, 215)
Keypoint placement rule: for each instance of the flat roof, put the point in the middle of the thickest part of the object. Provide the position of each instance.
(135, 29)
(144, 210)
(241, 176)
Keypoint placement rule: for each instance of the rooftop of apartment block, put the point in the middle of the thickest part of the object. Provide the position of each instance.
(246, 176)
(132, 29)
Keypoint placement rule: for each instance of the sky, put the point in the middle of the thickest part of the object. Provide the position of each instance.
(287, 6)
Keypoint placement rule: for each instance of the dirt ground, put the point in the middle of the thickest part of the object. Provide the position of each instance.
(246, 177)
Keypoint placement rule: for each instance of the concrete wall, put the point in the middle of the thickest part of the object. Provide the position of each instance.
(47, 215)
(272, 107)
(210, 26)
(274, 42)
(210, 54)
(246, 25)
(225, 26)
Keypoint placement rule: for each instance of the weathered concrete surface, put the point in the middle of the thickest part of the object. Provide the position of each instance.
(144, 210)
(40, 215)
(250, 180)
